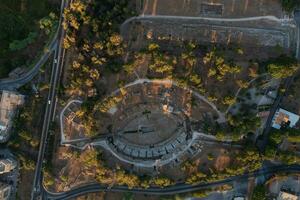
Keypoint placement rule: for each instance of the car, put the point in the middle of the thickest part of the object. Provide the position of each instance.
(49, 102)
(55, 60)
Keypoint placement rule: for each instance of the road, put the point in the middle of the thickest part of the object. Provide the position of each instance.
(12, 84)
(176, 189)
(263, 143)
(49, 112)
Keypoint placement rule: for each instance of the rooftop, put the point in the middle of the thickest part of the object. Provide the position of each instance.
(5, 190)
(287, 196)
(6, 165)
(283, 117)
(8, 104)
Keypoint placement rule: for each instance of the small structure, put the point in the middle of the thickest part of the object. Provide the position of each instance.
(286, 196)
(284, 118)
(7, 165)
(168, 108)
(5, 191)
(8, 106)
(238, 198)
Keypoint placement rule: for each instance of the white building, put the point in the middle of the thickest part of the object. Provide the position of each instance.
(8, 106)
(7, 165)
(239, 198)
(5, 191)
(286, 196)
(283, 117)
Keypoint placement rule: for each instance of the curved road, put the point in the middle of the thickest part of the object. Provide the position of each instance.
(171, 190)
(12, 84)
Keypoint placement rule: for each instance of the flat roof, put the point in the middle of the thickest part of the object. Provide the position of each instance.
(283, 116)
(287, 196)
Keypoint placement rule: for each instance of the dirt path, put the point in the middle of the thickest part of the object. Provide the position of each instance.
(154, 8)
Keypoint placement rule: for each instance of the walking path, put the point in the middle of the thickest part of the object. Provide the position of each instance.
(239, 90)
(62, 134)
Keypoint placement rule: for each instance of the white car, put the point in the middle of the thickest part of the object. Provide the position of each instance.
(49, 102)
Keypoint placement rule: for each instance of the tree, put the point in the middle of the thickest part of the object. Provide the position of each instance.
(162, 182)
(47, 23)
(153, 47)
(229, 100)
(115, 40)
(282, 67)
(259, 193)
(289, 5)
(242, 83)
(21, 44)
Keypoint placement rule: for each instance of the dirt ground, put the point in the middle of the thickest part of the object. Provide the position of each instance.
(24, 190)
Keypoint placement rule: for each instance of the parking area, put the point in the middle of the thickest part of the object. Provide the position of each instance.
(260, 32)
(213, 8)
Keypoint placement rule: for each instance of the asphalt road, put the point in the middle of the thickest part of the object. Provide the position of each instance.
(263, 143)
(12, 84)
(49, 112)
(176, 189)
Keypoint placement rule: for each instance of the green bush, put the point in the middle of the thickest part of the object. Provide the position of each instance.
(259, 193)
(289, 5)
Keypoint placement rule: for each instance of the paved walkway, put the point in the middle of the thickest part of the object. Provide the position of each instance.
(62, 134)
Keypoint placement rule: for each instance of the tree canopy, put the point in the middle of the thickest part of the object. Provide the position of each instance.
(282, 67)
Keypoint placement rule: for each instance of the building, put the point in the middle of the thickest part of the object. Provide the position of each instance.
(7, 165)
(8, 106)
(286, 196)
(239, 198)
(284, 118)
(5, 191)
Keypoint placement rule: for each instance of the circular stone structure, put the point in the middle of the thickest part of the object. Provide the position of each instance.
(150, 125)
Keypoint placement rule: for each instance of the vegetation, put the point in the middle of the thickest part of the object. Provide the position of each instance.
(248, 160)
(289, 5)
(218, 65)
(259, 193)
(92, 161)
(282, 67)
(273, 152)
(105, 52)
(19, 32)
